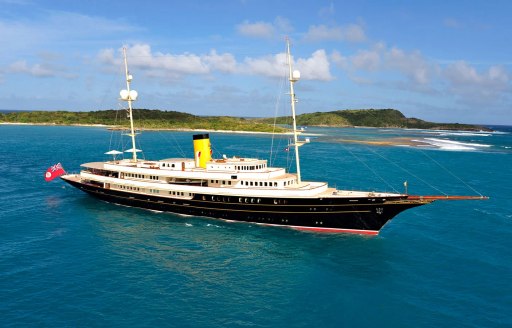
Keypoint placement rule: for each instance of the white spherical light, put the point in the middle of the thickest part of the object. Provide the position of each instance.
(296, 75)
(124, 94)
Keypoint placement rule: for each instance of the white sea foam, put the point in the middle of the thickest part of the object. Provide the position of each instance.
(466, 134)
(444, 133)
(446, 144)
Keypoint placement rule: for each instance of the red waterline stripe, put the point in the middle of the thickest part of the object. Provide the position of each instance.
(335, 230)
(319, 229)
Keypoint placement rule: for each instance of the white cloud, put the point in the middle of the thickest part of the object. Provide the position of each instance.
(265, 30)
(270, 66)
(256, 30)
(141, 56)
(369, 60)
(351, 33)
(47, 68)
(410, 70)
(316, 67)
(340, 60)
(283, 25)
(412, 65)
(159, 64)
(225, 62)
(465, 80)
(36, 70)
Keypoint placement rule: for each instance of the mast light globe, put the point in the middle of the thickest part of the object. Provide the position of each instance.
(124, 94)
(296, 75)
(129, 78)
(133, 95)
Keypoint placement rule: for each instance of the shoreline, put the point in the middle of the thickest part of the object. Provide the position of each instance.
(115, 127)
(304, 133)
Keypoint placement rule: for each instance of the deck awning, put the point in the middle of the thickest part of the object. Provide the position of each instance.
(113, 152)
(131, 150)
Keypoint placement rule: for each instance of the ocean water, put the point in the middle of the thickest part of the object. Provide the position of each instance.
(67, 259)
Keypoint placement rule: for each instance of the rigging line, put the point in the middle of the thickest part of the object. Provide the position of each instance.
(143, 119)
(112, 133)
(173, 137)
(278, 100)
(369, 168)
(276, 109)
(407, 171)
(177, 145)
(441, 166)
(289, 162)
(451, 173)
(117, 131)
(139, 113)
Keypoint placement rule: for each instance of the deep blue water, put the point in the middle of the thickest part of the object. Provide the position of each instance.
(67, 259)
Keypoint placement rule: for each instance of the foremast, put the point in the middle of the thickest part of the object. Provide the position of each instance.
(129, 96)
(294, 76)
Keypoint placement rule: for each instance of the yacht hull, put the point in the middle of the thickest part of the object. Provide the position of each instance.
(362, 215)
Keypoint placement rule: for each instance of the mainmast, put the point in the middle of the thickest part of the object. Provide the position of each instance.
(294, 76)
(129, 96)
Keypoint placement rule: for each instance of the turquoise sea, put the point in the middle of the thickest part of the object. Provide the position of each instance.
(67, 259)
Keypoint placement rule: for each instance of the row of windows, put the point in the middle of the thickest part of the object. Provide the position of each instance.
(251, 183)
(250, 167)
(141, 176)
(155, 191)
(128, 187)
(259, 183)
(221, 182)
(245, 200)
(180, 193)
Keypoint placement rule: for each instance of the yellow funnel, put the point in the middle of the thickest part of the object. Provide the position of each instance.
(202, 149)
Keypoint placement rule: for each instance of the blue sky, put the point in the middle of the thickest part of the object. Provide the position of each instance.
(445, 61)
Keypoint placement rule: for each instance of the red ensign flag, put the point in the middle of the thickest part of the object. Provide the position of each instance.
(53, 172)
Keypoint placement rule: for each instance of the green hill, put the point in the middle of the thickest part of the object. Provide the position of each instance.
(386, 118)
(158, 119)
(145, 119)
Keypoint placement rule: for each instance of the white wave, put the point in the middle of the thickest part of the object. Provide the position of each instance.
(188, 225)
(446, 144)
(444, 133)
(466, 134)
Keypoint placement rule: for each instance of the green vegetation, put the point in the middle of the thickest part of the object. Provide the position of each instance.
(145, 119)
(157, 119)
(386, 118)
